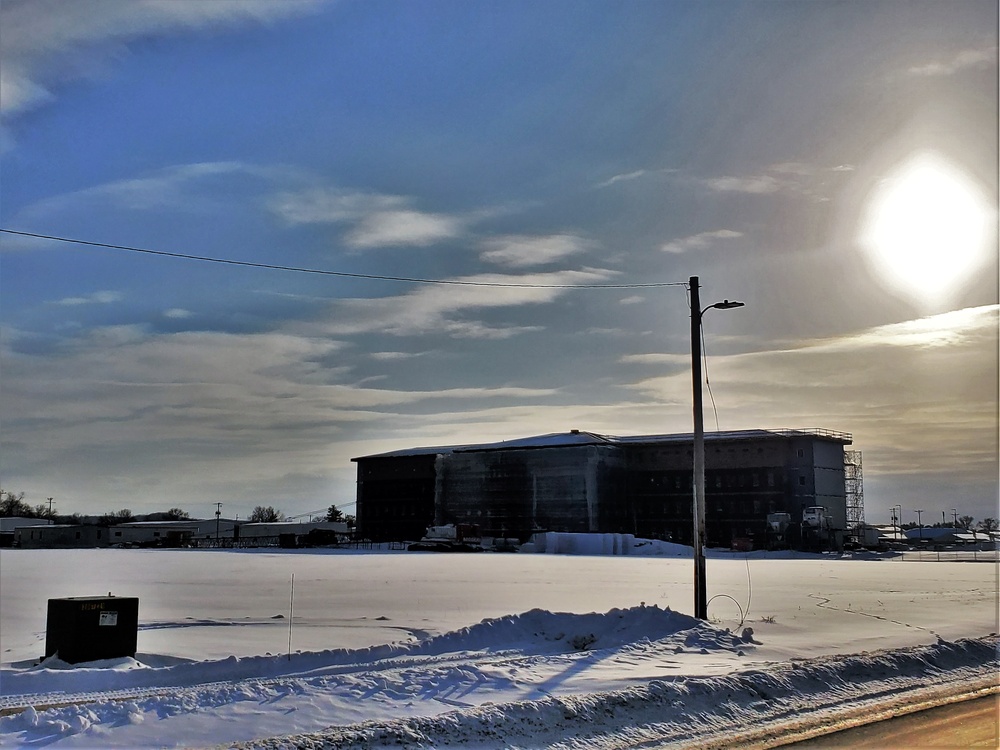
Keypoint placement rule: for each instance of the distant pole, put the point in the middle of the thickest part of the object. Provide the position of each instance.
(50, 508)
(291, 600)
(954, 515)
(218, 516)
(919, 524)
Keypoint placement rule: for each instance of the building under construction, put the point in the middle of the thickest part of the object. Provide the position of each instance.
(642, 485)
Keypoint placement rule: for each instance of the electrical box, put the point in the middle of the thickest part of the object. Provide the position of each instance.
(89, 628)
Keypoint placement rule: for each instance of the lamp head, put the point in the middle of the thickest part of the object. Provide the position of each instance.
(727, 304)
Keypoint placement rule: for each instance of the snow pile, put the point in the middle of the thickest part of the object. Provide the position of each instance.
(562, 543)
(540, 631)
(489, 660)
(689, 710)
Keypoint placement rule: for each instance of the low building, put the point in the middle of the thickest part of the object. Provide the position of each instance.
(8, 524)
(153, 533)
(290, 533)
(60, 535)
(585, 482)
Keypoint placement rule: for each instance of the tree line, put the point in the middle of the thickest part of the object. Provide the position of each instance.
(14, 504)
(964, 522)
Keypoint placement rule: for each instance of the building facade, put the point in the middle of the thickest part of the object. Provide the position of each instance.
(585, 482)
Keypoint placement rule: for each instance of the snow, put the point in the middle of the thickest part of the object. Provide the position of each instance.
(488, 650)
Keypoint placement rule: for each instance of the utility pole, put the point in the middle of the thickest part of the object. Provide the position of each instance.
(50, 508)
(218, 515)
(919, 524)
(698, 484)
(954, 515)
(698, 491)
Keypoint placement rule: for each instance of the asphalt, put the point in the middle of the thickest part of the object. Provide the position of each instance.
(968, 724)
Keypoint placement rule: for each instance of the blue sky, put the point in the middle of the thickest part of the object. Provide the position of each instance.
(551, 147)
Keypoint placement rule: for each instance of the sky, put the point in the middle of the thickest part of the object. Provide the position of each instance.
(831, 164)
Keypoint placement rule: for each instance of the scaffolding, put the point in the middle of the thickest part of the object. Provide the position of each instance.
(854, 488)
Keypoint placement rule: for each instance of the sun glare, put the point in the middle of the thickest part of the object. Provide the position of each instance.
(926, 229)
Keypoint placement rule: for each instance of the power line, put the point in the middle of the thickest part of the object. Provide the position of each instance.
(342, 274)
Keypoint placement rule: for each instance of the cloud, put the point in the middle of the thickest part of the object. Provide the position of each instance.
(698, 241)
(388, 228)
(633, 300)
(177, 313)
(935, 331)
(969, 58)
(185, 187)
(760, 185)
(394, 356)
(49, 42)
(377, 220)
(621, 178)
(521, 251)
(97, 298)
(440, 308)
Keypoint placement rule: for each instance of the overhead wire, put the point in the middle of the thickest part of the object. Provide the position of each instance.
(342, 274)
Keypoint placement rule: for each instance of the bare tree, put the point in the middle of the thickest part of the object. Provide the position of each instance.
(266, 514)
(12, 504)
(966, 522)
(988, 524)
(124, 515)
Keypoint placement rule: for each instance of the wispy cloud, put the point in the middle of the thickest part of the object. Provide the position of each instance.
(759, 185)
(97, 298)
(445, 308)
(964, 60)
(376, 220)
(935, 331)
(177, 313)
(183, 187)
(49, 42)
(635, 299)
(521, 251)
(621, 178)
(698, 241)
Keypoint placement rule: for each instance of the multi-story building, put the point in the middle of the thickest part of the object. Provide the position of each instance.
(584, 482)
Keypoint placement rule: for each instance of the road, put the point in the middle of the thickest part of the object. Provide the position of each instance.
(969, 724)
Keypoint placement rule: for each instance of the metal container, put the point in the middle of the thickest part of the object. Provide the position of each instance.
(89, 628)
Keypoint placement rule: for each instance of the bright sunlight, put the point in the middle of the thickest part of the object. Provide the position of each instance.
(926, 228)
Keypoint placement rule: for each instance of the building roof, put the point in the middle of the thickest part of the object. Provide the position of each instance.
(581, 438)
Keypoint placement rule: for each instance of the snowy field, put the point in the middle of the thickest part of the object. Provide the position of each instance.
(487, 650)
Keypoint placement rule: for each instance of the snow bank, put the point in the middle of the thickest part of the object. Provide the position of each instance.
(683, 711)
(531, 633)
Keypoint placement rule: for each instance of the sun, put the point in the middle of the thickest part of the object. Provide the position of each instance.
(926, 228)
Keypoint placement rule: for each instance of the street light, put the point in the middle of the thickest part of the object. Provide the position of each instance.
(698, 508)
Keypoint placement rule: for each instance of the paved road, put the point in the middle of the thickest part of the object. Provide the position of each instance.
(970, 724)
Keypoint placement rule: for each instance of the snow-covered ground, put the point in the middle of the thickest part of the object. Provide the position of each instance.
(484, 650)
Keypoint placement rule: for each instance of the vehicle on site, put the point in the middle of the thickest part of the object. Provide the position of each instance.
(450, 537)
(776, 531)
(817, 532)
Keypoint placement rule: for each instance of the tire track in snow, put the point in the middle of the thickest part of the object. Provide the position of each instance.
(824, 603)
